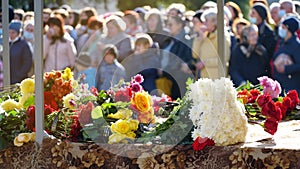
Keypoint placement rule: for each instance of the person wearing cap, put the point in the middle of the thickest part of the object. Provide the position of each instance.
(266, 36)
(84, 71)
(109, 71)
(20, 54)
(287, 59)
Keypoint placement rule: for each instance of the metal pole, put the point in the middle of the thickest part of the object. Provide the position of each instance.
(38, 70)
(221, 39)
(5, 54)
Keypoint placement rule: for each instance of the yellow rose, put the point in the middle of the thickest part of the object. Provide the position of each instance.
(10, 104)
(17, 143)
(32, 136)
(120, 126)
(121, 114)
(117, 138)
(131, 135)
(142, 101)
(27, 86)
(134, 124)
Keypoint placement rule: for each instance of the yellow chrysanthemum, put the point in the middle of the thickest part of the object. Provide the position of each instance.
(121, 114)
(68, 99)
(10, 104)
(142, 101)
(27, 86)
(68, 74)
(120, 126)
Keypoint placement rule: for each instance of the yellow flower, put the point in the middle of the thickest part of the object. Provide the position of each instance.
(131, 134)
(142, 101)
(117, 138)
(134, 124)
(147, 117)
(68, 74)
(32, 136)
(120, 126)
(27, 86)
(10, 104)
(17, 143)
(24, 98)
(121, 114)
(68, 99)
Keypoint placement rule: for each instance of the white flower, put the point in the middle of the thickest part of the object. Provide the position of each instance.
(216, 113)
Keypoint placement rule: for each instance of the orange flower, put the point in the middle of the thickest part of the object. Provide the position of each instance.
(142, 101)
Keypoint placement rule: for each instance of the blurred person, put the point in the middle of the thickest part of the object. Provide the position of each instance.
(141, 19)
(205, 45)
(73, 18)
(109, 71)
(286, 59)
(266, 35)
(274, 9)
(46, 15)
(29, 15)
(237, 27)
(59, 48)
(176, 9)
(20, 54)
(144, 61)
(235, 11)
(65, 15)
(89, 41)
(249, 53)
(297, 6)
(28, 36)
(114, 29)
(19, 13)
(183, 64)
(286, 7)
(84, 71)
(84, 16)
(155, 28)
(131, 19)
(208, 5)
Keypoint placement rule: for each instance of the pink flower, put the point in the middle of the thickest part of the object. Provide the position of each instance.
(136, 87)
(271, 87)
(138, 78)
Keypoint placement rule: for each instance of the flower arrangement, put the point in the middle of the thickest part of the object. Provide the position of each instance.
(263, 102)
(218, 117)
(74, 112)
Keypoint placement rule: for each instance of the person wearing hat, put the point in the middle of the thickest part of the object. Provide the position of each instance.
(109, 71)
(20, 54)
(266, 36)
(85, 72)
(287, 58)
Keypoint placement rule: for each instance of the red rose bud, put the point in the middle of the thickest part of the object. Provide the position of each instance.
(282, 108)
(271, 125)
(263, 99)
(200, 143)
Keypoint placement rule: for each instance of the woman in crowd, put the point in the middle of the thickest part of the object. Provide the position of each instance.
(59, 49)
(84, 16)
(286, 59)
(249, 60)
(115, 34)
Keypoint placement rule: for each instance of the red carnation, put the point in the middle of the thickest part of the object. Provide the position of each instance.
(268, 108)
(282, 108)
(263, 99)
(123, 95)
(271, 125)
(254, 94)
(200, 143)
(293, 94)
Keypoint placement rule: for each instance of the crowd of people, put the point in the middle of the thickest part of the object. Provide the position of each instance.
(165, 46)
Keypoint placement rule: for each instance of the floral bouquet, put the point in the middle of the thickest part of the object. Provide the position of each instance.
(74, 112)
(263, 103)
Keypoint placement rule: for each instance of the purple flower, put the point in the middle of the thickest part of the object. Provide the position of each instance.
(138, 78)
(271, 87)
(136, 87)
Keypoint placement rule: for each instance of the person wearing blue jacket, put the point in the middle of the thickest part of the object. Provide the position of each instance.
(287, 58)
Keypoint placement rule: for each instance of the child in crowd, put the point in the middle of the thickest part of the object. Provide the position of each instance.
(86, 72)
(110, 71)
(144, 61)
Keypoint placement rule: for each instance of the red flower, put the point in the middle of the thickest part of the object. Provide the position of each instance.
(287, 102)
(282, 108)
(254, 94)
(268, 108)
(200, 143)
(271, 125)
(49, 100)
(30, 121)
(84, 113)
(75, 128)
(263, 99)
(48, 109)
(94, 91)
(123, 95)
(294, 97)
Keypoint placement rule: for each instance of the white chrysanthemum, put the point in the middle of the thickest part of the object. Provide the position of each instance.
(216, 113)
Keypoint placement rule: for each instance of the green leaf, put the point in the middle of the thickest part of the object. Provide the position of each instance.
(97, 112)
(13, 113)
(29, 102)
